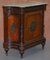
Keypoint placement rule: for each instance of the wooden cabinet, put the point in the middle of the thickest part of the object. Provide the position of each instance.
(23, 26)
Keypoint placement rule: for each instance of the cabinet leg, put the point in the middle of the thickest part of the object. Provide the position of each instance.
(6, 52)
(43, 43)
(21, 53)
(21, 49)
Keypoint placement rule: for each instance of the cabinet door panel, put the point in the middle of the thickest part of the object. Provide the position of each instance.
(13, 28)
(32, 26)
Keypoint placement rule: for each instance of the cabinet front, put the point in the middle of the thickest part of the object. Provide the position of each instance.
(13, 28)
(32, 26)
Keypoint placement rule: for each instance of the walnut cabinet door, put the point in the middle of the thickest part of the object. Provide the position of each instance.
(32, 27)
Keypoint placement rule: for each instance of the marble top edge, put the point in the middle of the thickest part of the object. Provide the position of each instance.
(26, 4)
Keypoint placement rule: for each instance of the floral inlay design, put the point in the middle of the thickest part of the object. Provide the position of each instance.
(33, 26)
(13, 28)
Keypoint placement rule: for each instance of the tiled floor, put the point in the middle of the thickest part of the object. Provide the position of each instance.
(35, 53)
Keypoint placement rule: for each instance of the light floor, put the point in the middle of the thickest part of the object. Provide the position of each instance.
(35, 53)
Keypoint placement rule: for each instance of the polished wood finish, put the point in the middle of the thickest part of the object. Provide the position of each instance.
(23, 27)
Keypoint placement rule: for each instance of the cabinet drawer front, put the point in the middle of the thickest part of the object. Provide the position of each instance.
(13, 28)
(32, 26)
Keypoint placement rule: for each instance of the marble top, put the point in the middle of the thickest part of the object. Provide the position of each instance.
(26, 4)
